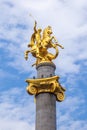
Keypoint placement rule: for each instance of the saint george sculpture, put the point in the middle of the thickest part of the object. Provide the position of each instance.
(40, 43)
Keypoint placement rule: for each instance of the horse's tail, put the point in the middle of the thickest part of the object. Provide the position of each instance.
(56, 49)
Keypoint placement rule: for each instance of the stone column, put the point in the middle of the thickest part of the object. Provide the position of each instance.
(45, 102)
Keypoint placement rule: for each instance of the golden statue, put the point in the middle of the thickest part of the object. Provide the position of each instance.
(40, 43)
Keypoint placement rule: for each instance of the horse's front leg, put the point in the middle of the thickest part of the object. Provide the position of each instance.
(53, 37)
(26, 54)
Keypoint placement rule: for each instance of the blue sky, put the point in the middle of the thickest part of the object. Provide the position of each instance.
(68, 19)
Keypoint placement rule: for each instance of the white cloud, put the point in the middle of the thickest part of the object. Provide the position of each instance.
(6, 74)
(68, 24)
(67, 114)
(15, 125)
(15, 111)
(73, 125)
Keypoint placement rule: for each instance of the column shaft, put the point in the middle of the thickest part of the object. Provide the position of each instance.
(45, 102)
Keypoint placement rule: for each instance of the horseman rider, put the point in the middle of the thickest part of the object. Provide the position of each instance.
(37, 38)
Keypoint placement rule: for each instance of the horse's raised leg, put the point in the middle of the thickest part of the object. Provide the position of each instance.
(26, 54)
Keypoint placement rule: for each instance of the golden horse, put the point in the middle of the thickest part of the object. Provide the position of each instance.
(40, 45)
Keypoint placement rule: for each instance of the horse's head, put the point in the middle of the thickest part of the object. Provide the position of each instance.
(47, 31)
(47, 38)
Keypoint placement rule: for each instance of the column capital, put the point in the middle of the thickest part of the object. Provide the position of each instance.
(46, 85)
